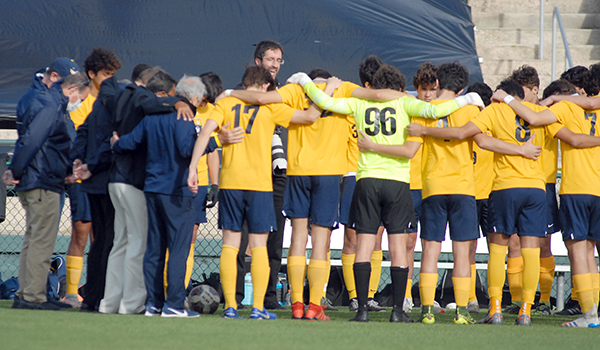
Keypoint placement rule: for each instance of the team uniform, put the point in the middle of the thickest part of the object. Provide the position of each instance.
(448, 198)
(246, 188)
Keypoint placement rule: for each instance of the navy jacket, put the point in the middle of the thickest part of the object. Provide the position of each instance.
(41, 157)
(36, 88)
(169, 145)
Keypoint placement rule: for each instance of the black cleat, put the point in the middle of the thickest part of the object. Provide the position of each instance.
(361, 316)
(399, 316)
(270, 305)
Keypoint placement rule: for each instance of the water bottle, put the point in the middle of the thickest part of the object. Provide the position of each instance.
(281, 288)
(247, 290)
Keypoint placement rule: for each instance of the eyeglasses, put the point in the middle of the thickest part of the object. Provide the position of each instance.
(271, 59)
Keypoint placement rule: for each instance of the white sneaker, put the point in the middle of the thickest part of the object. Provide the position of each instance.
(437, 308)
(408, 305)
(473, 307)
(589, 319)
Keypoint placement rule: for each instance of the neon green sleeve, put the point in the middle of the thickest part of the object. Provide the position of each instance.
(417, 108)
(325, 102)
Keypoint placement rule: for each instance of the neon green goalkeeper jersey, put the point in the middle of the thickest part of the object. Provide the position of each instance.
(385, 123)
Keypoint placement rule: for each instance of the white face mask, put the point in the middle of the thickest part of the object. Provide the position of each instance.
(73, 106)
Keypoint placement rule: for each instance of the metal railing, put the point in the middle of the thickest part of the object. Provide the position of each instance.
(556, 21)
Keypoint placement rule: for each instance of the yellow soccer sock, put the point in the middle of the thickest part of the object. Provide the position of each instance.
(260, 271)
(427, 284)
(408, 294)
(228, 270)
(296, 274)
(531, 273)
(596, 286)
(462, 289)
(348, 272)
(376, 259)
(585, 291)
(496, 272)
(514, 271)
(327, 273)
(74, 267)
(316, 279)
(546, 278)
(189, 265)
(573, 293)
(473, 283)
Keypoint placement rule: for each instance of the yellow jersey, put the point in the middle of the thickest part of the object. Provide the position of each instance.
(415, 169)
(483, 171)
(247, 165)
(352, 152)
(550, 159)
(79, 115)
(202, 114)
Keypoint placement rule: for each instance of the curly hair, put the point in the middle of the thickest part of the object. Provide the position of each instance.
(100, 59)
(426, 76)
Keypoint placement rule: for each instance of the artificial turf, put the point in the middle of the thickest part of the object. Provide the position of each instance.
(70, 329)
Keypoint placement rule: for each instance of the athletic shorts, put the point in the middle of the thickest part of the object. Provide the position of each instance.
(518, 210)
(348, 184)
(314, 197)
(580, 216)
(80, 205)
(553, 223)
(255, 207)
(417, 199)
(482, 216)
(200, 205)
(377, 201)
(457, 210)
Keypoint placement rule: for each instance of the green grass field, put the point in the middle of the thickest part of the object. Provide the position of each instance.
(70, 329)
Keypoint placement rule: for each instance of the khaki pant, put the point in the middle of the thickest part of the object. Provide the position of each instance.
(42, 208)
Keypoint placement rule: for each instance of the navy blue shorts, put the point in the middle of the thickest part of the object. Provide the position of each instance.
(417, 199)
(482, 216)
(313, 197)
(580, 216)
(457, 210)
(553, 223)
(200, 205)
(348, 184)
(381, 201)
(518, 210)
(80, 205)
(255, 207)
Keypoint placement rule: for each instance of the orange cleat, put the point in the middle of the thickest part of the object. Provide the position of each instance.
(315, 313)
(297, 310)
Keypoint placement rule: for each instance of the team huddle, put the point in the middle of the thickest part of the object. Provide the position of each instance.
(137, 159)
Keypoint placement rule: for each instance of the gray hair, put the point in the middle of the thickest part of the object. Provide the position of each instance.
(76, 79)
(190, 86)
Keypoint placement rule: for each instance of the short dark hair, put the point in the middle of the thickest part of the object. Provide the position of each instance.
(367, 69)
(214, 85)
(257, 75)
(526, 76)
(592, 88)
(148, 73)
(137, 70)
(100, 59)
(577, 76)
(319, 73)
(484, 90)
(161, 81)
(559, 87)
(453, 76)
(265, 45)
(511, 87)
(389, 77)
(426, 76)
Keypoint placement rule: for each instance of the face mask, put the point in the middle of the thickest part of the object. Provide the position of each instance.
(73, 106)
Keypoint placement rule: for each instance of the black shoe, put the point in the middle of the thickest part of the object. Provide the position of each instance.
(86, 308)
(241, 306)
(361, 316)
(400, 316)
(513, 308)
(572, 308)
(270, 305)
(60, 304)
(16, 303)
(48, 306)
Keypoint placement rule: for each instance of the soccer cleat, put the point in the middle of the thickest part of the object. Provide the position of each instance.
(463, 319)
(72, 300)
(437, 308)
(523, 320)
(473, 307)
(230, 312)
(373, 305)
(408, 305)
(152, 311)
(315, 313)
(297, 310)
(326, 304)
(513, 308)
(588, 320)
(399, 316)
(60, 304)
(495, 319)
(353, 305)
(257, 314)
(427, 316)
(273, 305)
(179, 313)
(542, 309)
(572, 308)
(361, 316)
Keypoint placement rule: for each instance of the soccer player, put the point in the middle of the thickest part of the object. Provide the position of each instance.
(579, 196)
(578, 76)
(382, 190)
(245, 184)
